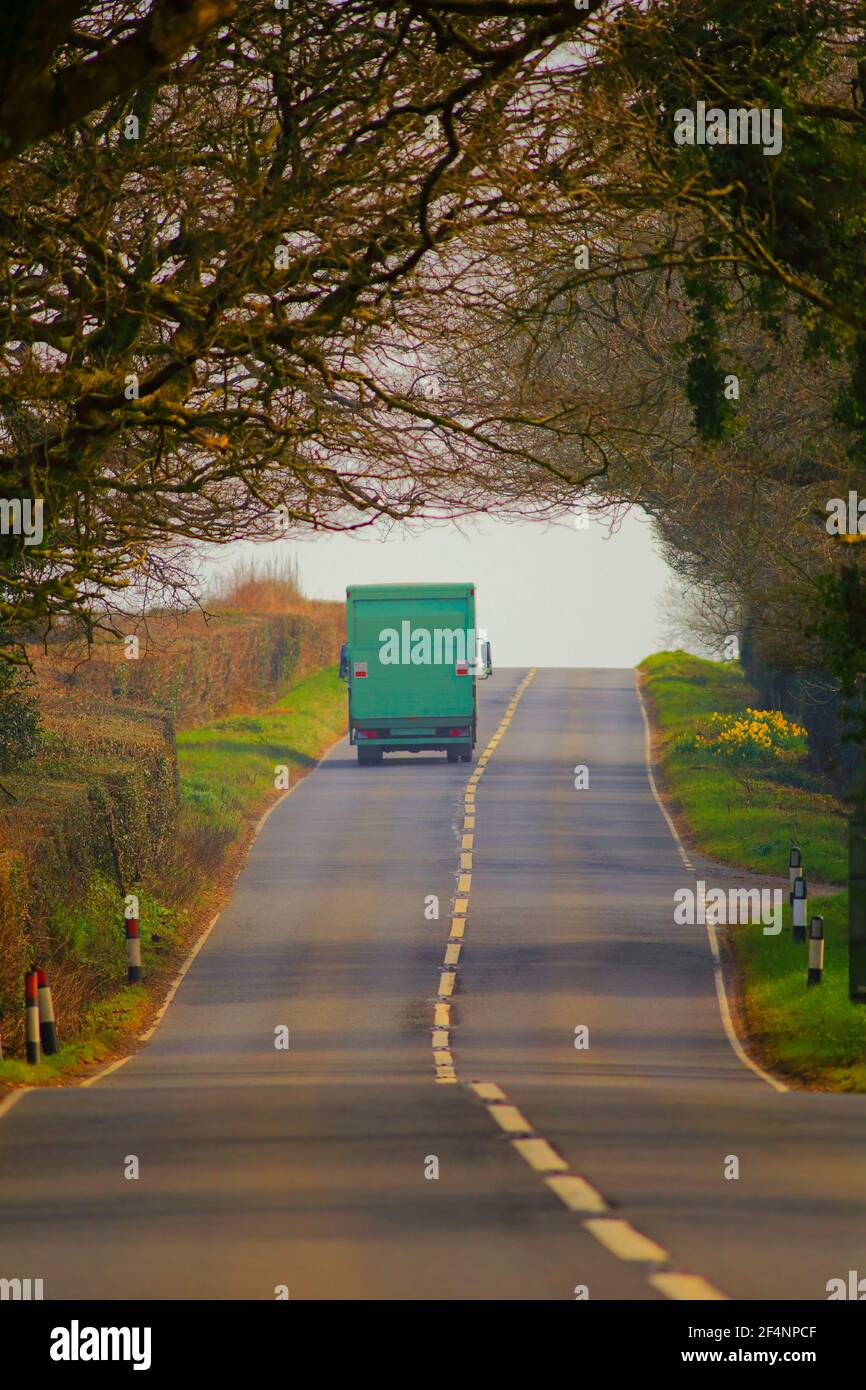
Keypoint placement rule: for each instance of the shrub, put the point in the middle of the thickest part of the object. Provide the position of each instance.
(19, 718)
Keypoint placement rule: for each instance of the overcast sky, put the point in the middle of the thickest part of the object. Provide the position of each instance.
(547, 595)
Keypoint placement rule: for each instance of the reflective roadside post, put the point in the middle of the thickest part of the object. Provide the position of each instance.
(31, 1017)
(816, 951)
(857, 907)
(798, 910)
(47, 1022)
(795, 869)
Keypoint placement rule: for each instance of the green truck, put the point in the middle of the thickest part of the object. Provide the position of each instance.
(411, 659)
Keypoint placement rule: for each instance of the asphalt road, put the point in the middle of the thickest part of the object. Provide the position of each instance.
(307, 1167)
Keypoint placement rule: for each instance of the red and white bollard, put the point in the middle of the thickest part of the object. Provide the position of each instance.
(31, 1016)
(47, 1026)
(133, 949)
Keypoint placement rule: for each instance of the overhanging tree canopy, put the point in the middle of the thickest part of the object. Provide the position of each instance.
(215, 284)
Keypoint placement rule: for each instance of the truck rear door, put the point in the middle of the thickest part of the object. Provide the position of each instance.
(383, 687)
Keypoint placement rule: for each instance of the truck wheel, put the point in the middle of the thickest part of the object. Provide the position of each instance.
(453, 755)
(465, 751)
(368, 756)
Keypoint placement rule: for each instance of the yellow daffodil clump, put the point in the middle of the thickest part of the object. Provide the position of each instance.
(756, 735)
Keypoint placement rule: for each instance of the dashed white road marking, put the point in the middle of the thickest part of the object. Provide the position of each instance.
(688, 1287)
(622, 1240)
(578, 1195)
(446, 982)
(487, 1090)
(509, 1118)
(540, 1155)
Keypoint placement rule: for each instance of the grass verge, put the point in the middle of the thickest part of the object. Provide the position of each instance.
(742, 815)
(227, 780)
(748, 817)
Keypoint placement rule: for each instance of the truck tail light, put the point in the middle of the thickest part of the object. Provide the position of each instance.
(458, 733)
(360, 670)
(463, 668)
(366, 733)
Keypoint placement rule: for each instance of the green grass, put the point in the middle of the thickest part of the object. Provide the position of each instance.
(228, 767)
(227, 779)
(107, 1026)
(737, 814)
(88, 930)
(816, 1035)
(750, 818)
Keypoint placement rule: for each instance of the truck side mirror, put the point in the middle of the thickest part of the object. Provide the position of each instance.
(344, 662)
(487, 658)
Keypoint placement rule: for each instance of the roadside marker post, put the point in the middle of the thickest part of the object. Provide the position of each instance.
(31, 1016)
(816, 951)
(795, 869)
(133, 949)
(47, 1025)
(798, 910)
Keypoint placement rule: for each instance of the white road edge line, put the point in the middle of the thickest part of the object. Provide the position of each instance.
(178, 979)
(574, 1191)
(10, 1100)
(721, 993)
(13, 1098)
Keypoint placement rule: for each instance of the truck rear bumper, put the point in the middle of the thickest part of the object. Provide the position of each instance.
(391, 738)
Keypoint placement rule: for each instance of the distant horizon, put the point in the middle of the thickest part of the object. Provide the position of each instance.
(550, 595)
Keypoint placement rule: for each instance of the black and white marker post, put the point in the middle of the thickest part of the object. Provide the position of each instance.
(816, 951)
(133, 949)
(798, 910)
(47, 1026)
(795, 869)
(31, 1017)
